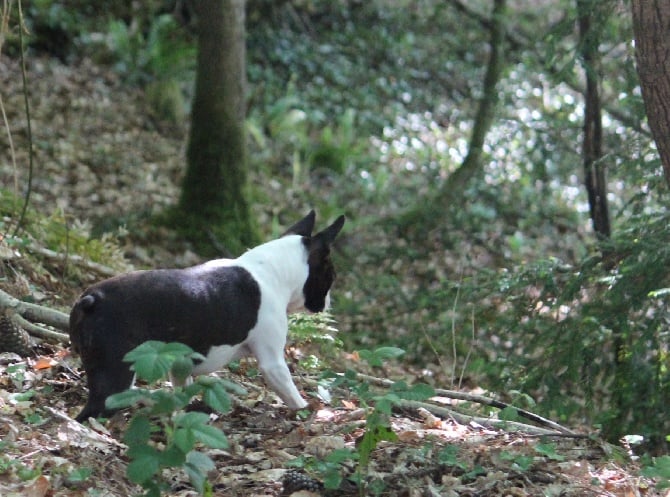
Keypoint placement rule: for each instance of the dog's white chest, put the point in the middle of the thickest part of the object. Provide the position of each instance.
(218, 356)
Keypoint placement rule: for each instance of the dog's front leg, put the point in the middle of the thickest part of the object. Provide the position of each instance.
(277, 375)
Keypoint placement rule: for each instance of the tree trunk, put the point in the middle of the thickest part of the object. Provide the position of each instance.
(595, 177)
(213, 192)
(424, 215)
(472, 163)
(651, 26)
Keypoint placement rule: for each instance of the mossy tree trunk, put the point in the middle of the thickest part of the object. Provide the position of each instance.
(429, 212)
(471, 166)
(213, 203)
(651, 24)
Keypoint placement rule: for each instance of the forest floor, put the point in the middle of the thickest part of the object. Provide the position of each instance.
(95, 150)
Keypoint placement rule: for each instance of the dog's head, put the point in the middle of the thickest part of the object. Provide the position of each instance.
(321, 273)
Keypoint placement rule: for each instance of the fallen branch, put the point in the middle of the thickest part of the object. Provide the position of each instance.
(31, 317)
(480, 399)
(493, 424)
(39, 331)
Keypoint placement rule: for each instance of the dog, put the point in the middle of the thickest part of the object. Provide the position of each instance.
(224, 309)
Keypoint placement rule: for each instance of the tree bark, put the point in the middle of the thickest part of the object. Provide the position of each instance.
(213, 191)
(651, 26)
(595, 170)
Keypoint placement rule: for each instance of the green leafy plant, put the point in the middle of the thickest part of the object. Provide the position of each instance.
(161, 416)
(315, 329)
(10, 464)
(378, 426)
(548, 450)
(449, 455)
(319, 328)
(330, 468)
(659, 469)
(162, 53)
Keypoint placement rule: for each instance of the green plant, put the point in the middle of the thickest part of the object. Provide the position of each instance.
(377, 422)
(161, 416)
(163, 53)
(330, 468)
(449, 455)
(659, 469)
(548, 450)
(318, 327)
(161, 60)
(11, 464)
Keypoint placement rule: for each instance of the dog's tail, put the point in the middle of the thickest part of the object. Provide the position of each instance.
(81, 309)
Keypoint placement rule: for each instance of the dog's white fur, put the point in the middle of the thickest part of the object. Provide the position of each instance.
(280, 268)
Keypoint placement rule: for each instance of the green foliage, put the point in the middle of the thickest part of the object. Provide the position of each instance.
(162, 414)
(293, 140)
(329, 468)
(61, 235)
(162, 53)
(162, 59)
(449, 455)
(318, 327)
(23, 471)
(519, 461)
(585, 341)
(659, 469)
(377, 357)
(548, 450)
(377, 423)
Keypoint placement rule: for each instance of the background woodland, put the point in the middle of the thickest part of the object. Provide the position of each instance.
(502, 166)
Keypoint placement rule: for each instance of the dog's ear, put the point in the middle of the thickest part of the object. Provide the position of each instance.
(327, 236)
(303, 227)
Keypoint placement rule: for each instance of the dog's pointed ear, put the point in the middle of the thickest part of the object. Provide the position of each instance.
(303, 227)
(327, 236)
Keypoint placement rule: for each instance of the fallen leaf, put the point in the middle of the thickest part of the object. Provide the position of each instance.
(44, 363)
(38, 488)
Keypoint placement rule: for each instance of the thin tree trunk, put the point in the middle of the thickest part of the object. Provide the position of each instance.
(651, 25)
(423, 215)
(213, 191)
(472, 163)
(595, 171)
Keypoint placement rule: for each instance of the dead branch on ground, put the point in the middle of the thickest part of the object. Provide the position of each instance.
(43, 322)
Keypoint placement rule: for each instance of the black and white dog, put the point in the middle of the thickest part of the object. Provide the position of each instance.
(224, 309)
